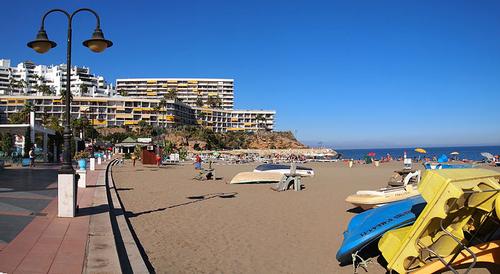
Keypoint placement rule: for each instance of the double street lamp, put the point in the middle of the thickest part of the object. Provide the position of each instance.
(42, 44)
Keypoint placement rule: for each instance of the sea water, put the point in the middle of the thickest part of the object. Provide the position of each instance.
(469, 152)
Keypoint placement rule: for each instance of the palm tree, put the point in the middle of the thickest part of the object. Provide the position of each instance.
(201, 117)
(45, 90)
(27, 108)
(199, 101)
(259, 118)
(63, 97)
(162, 105)
(171, 94)
(77, 125)
(22, 116)
(21, 84)
(84, 89)
(214, 101)
(12, 84)
(145, 129)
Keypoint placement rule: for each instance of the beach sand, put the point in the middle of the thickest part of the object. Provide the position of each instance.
(256, 231)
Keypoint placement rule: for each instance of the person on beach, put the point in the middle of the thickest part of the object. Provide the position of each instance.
(158, 160)
(31, 154)
(197, 162)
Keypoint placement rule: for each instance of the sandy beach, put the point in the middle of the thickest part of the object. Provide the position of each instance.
(186, 227)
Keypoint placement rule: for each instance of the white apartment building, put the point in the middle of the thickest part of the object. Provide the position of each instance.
(220, 120)
(195, 92)
(27, 77)
(114, 111)
(198, 101)
(121, 111)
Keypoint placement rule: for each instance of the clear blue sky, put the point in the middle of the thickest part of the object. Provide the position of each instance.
(344, 73)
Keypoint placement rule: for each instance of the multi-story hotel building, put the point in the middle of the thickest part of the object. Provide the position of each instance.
(103, 111)
(26, 79)
(192, 91)
(220, 120)
(127, 111)
(205, 102)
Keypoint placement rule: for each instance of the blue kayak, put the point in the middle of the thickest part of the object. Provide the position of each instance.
(370, 225)
(446, 166)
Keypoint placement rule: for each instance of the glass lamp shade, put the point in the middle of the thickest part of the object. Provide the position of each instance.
(41, 44)
(97, 43)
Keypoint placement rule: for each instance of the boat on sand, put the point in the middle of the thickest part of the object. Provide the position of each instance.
(367, 227)
(285, 169)
(257, 177)
(367, 199)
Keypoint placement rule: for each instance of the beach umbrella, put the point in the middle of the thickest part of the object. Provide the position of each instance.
(420, 150)
(371, 154)
(487, 155)
(443, 159)
(454, 153)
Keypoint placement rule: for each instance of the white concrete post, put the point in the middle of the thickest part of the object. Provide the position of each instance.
(82, 182)
(32, 127)
(92, 163)
(66, 195)
(99, 160)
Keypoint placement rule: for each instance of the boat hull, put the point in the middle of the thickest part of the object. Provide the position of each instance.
(370, 199)
(285, 169)
(446, 166)
(257, 177)
(368, 226)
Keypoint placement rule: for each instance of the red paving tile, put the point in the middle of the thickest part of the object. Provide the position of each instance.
(50, 244)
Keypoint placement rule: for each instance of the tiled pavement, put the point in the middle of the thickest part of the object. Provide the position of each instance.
(33, 239)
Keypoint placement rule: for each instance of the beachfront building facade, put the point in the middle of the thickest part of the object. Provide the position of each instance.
(103, 111)
(162, 102)
(220, 120)
(27, 78)
(195, 92)
(119, 111)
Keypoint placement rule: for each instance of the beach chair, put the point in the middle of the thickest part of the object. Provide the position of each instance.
(289, 180)
(205, 174)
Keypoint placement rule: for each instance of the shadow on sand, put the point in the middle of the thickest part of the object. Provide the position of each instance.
(194, 199)
(355, 210)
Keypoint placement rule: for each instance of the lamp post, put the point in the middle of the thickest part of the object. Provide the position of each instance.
(42, 44)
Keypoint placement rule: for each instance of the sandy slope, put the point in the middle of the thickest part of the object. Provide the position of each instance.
(256, 231)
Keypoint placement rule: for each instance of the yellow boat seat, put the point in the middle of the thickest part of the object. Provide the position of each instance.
(485, 253)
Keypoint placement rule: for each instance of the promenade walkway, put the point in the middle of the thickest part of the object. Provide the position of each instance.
(34, 240)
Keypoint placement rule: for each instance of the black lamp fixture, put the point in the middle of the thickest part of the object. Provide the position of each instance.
(97, 43)
(42, 44)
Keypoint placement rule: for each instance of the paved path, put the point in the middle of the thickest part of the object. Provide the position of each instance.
(24, 193)
(33, 239)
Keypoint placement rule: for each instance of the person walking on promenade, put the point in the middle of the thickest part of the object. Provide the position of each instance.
(31, 154)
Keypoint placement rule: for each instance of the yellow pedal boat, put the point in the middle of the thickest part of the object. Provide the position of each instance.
(459, 202)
